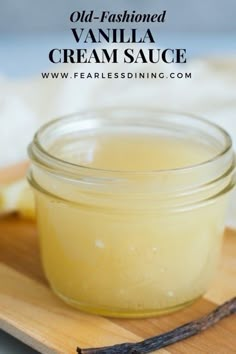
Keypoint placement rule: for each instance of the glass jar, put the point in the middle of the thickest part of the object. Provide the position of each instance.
(130, 242)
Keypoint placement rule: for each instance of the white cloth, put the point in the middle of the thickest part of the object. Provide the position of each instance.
(25, 105)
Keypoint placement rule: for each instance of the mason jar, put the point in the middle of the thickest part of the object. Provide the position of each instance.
(131, 208)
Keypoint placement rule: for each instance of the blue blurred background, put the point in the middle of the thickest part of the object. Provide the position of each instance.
(29, 29)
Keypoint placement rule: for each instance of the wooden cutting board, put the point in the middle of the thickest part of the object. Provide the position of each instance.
(33, 314)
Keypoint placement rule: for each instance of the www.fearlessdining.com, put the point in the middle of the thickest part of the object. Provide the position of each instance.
(116, 75)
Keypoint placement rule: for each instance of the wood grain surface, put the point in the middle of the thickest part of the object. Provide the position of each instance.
(33, 314)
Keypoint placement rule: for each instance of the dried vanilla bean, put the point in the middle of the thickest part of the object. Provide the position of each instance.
(171, 337)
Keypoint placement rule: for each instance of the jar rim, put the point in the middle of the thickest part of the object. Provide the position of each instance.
(40, 155)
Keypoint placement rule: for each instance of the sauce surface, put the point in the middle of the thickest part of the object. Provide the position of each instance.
(132, 152)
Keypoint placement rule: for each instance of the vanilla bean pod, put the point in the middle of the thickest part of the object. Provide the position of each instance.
(171, 337)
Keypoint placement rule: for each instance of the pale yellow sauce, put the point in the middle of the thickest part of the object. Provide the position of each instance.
(117, 256)
(132, 152)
